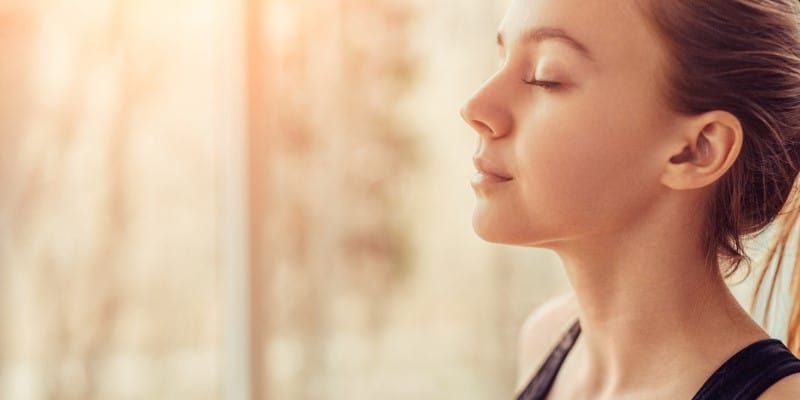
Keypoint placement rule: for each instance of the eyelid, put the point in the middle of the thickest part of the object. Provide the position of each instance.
(542, 70)
(547, 85)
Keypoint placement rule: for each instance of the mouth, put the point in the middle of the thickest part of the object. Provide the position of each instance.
(488, 173)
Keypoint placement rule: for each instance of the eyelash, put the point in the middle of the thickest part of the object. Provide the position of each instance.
(546, 85)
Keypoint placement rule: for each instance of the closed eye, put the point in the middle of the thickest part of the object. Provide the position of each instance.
(548, 85)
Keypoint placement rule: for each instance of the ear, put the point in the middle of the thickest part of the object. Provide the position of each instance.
(705, 149)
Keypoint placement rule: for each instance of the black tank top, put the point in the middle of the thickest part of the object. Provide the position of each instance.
(744, 376)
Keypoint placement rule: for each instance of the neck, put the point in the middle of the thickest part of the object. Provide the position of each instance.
(648, 302)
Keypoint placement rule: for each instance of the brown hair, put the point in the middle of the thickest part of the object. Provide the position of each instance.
(743, 57)
(776, 253)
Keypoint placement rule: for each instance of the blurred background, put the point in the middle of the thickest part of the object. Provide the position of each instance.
(252, 199)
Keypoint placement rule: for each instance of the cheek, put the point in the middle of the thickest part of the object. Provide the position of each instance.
(583, 167)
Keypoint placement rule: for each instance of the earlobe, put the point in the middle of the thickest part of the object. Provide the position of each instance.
(707, 153)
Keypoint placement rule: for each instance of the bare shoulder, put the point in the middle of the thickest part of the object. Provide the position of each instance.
(786, 388)
(542, 330)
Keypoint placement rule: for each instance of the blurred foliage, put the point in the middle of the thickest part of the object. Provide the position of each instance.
(85, 280)
(338, 155)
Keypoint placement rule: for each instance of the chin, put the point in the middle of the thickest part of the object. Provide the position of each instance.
(495, 229)
(488, 235)
(508, 229)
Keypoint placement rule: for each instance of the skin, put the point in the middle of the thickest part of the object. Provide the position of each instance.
(600, 170)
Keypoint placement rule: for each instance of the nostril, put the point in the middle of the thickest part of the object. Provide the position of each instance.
(482, 115)
(481, 127)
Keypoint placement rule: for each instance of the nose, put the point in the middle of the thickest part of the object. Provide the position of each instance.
(487, 110)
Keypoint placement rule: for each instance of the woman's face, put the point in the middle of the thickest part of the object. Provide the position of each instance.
(571, 127)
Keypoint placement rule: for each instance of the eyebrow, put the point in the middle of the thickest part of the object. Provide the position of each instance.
(538, 35)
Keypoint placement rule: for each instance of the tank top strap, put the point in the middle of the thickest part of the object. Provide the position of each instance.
(750, 372)
(744, 376)
(541, 383)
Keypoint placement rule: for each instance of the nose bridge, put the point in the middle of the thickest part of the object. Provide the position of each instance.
(485, 110)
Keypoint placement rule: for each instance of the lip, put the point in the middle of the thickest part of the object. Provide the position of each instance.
(488, 173)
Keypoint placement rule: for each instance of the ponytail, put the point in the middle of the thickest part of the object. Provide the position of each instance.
(787, 225)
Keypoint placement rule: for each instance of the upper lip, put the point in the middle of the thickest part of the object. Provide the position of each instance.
(486, 166)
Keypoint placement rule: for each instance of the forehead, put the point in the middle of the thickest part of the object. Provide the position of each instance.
(613, 31)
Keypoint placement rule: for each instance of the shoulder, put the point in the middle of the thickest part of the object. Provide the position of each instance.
(542, 330)
(786, 388)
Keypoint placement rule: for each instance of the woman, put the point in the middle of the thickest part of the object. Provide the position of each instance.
(642, 141)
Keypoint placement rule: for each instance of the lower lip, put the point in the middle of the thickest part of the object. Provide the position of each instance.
(484, 180)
